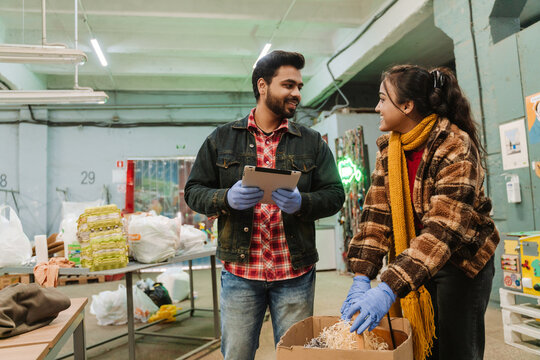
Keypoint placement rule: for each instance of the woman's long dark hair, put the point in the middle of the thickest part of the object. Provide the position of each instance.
(434, 91)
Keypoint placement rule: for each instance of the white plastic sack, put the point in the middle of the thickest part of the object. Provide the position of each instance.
(143, 306)
(191, 239)
(76, 208)
(176, 281)
(134, 237)
(71, 211)
(14, 244)
(110, 307)
(153, 238)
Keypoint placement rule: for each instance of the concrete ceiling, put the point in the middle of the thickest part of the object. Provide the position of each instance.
(188, 45)
(426, 45)
(530, 13)
(211, 45)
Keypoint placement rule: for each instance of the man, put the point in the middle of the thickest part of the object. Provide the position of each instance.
(268, 251)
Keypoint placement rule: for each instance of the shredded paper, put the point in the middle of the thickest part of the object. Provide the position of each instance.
(339, 337)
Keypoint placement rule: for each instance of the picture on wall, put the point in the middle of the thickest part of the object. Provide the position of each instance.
(532, 107)
(514, 145)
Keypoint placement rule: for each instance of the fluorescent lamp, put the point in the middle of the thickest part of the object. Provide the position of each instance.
(263, 52)
(99, 53)
(36, 54)
(40, 97)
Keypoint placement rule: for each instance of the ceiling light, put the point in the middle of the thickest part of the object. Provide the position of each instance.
(32, 54)
(263, 52)
(99, 53)
(44, 53)
(41, 97)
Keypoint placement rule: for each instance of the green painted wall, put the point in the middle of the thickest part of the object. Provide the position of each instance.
(508, 61)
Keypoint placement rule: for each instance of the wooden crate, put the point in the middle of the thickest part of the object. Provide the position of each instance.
(80, 279)
(521, 322)
(6, 280)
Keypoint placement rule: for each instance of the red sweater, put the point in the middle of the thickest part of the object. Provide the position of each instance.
(414, 157)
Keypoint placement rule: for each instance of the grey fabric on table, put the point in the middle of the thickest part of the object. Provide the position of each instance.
(26, 307)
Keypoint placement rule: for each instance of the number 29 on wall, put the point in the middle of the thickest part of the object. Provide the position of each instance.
(88, 177)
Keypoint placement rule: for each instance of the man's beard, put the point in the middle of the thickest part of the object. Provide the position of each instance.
(278, 106)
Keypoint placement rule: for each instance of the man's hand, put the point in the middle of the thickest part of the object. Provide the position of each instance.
(373, 305)
(242, 198)
(360, 285)
(288, 201)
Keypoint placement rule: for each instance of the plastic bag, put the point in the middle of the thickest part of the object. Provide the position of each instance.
(192, 239)
(110, 307)
(153, 238)
(143, 306)
(14, 244)
(158, 294)
(176, 281)
(71, 211)
(145, 284)
(166, 313)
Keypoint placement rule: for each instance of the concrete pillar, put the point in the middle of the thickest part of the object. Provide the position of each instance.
(32, 174)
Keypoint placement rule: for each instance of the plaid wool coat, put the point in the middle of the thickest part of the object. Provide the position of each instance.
(450, 202)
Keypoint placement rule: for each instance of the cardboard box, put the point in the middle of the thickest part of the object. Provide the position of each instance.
(291, 344)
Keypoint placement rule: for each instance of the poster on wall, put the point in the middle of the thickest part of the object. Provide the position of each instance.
(514, 145)
(532, 107)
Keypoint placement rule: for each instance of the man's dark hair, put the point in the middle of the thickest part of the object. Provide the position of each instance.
(267, 66)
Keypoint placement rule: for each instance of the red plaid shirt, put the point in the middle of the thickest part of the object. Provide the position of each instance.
(269, 257)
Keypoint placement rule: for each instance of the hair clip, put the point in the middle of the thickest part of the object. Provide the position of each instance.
(437, 79)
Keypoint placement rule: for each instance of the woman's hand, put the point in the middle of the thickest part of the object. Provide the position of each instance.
(373, 305)
(360, 285)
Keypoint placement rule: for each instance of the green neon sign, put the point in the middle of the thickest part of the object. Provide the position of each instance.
(348, 171)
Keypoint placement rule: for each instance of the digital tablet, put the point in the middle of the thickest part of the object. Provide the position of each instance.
(269, 180)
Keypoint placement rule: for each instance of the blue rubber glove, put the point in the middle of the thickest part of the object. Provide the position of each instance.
(288, 201)
(373, 305)
(360, 285)
(243, 197)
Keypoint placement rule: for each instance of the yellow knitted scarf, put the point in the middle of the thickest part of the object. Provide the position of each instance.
(416, 306)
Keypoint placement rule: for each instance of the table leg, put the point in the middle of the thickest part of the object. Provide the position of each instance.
(217, 329)
(191, 297)
(79, 342)
(130, 316)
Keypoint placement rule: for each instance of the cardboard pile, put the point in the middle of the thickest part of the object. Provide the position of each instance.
(291, 344)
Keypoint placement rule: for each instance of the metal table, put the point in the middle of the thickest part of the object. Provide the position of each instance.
(135, 267)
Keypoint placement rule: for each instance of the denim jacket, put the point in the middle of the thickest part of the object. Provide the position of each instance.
(219, 165)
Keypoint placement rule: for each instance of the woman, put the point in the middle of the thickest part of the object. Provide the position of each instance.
(426, 208)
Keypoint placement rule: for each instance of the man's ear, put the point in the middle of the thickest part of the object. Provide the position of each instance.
(408, 107)
(262, 86)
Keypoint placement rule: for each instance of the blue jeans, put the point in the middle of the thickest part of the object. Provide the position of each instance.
(243, 304)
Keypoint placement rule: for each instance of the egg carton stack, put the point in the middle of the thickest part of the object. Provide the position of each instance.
(102, 237)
